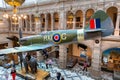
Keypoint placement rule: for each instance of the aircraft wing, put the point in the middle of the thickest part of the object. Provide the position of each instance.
(33, 47)
(94, 30)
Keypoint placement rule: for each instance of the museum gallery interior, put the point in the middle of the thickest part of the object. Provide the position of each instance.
(60, 39)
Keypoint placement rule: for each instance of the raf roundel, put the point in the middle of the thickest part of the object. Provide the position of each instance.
(56, 37)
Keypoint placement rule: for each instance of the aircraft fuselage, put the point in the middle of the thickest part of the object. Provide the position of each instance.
(54, 37)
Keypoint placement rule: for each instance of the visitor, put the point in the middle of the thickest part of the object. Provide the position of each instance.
(13, 73)
(12, 63)
(85, 66)
(6, 74)
(58, 75)
(20, 58)
(28, 56)
(25, 62)
(45, 54)
(50, 62)
(46, 62)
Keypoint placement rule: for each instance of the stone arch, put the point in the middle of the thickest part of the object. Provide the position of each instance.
(81, 52)
(33, 22)
(88, 15)
(56, 21)
(79, 19)
(81, 49)
(112, 12)
(49, 21)
(110, 5)
(107, 44)
(42, 19)
(28, 22)
(69, 18)
(110, 58)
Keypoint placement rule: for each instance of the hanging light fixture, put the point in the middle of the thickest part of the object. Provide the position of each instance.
(15, 4)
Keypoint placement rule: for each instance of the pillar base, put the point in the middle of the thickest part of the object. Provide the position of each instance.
(116, 33)
(95, 74)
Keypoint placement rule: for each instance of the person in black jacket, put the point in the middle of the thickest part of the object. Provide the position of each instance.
(58, 75)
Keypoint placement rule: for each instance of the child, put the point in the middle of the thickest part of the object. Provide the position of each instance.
(13, 73)
(85, 66)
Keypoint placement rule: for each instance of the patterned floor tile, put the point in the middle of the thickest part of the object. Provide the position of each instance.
(67, 74)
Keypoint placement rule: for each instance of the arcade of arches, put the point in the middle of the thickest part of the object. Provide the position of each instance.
(51, 21)
(63, 16)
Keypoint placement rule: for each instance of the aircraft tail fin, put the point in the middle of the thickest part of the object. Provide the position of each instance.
(94, 25)
(100, 22)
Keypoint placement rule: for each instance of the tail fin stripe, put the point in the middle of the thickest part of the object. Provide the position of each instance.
(95, 23)
(98, 23)
(92, 24)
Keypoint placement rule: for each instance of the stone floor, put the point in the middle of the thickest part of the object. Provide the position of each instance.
(4, 72)
(69, 74)
(75, 73)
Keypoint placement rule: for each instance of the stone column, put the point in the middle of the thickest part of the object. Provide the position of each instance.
(62, 48)
(62, 56)
(37, 24)
(30, 16)
(11, 24)
(20, 25)
(62, 21)
(52, 21)
(96, 56)
(117, 32)
(74, 21)
(26, 25)
(46, 22)
(40, 23)
(84, 19)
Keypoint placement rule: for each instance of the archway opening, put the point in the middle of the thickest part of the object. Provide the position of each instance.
(42, 16)
(111, 59)
(112, 12)
(79, 19)
(56, 21)
(79, 52)
(33, 22)
(70, 20)
(49, 22)
(88, 15)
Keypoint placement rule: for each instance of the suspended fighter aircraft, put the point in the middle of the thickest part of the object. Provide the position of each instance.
(99, 22)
